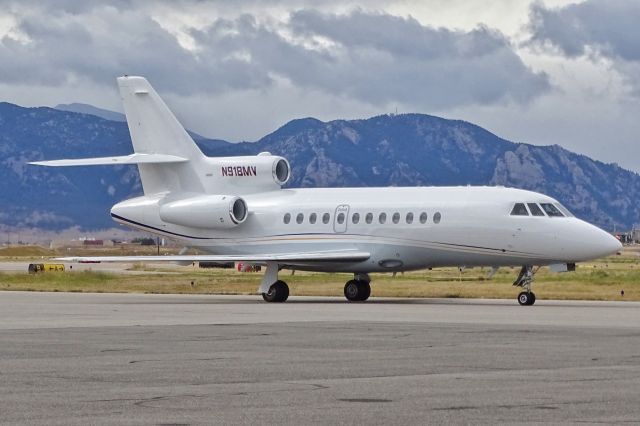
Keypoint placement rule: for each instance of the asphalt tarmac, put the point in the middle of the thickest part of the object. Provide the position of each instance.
(159, 359)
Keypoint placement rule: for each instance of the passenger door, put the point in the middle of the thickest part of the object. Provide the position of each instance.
(340, 218)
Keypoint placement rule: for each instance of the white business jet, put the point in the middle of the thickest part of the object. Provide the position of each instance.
(235, 209)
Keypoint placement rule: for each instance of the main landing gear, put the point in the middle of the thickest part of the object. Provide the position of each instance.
(358, 289)
(524, 280)
(274, 290)
(278, 292)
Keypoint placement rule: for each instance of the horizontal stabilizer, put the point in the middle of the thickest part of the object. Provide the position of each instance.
(105, 161)
(287, 258)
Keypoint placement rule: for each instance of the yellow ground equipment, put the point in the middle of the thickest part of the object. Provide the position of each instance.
(45, 267)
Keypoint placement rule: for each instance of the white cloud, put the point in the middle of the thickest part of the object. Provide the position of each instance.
(370, 57)
(239, 69)
(595, 29)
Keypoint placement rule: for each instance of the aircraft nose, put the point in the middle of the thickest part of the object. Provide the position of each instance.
(583, 241)
(614, 244)
(602, 243)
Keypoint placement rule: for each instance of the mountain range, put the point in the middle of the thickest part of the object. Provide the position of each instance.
(90, 109)
(396, 150)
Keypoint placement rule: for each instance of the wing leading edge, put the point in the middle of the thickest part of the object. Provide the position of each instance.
(288, 258)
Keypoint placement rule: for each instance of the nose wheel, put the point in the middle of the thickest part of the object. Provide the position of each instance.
(524, 280)
(526, 298)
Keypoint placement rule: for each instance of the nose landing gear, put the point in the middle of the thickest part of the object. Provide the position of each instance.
(524, 280)
(526, 298)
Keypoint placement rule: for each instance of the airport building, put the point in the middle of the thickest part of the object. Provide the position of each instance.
(80, 242)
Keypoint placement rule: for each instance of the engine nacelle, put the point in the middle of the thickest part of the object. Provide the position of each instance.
(206, 211)
(260, 172)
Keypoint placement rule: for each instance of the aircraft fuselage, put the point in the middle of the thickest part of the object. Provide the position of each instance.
(402, 228)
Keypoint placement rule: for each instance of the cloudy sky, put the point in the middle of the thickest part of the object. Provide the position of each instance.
(543, 72)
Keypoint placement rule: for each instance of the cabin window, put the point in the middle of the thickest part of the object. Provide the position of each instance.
(299, 218)
(409, 218)
(382, 218)
(436, 217)
(287, 218)
(535, 209)
(369, 218)
(396, 217)
(551, 210)
(519, 210)
(423, 217)
(340, 218)
(312, 218)
(325, 218)
(355, 218)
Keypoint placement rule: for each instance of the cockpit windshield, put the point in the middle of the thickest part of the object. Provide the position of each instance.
(540, 209)
(551, 210)
(519, 210)
(535, 209)
(564, 210)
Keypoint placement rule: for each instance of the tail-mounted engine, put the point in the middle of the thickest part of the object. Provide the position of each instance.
(206, 208)
(247, 174)
(206, 211)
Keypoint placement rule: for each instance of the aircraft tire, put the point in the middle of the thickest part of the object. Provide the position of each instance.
(351, 291)
(357, 291)
(278, 292)
(526, 298)
(365, 288)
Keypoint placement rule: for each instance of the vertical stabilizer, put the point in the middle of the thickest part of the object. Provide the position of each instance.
(155, 130)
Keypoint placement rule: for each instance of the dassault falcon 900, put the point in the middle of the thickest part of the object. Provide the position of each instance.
(236, 209)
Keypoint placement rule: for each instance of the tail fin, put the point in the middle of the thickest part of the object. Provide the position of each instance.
(155, 130)
(167, 158)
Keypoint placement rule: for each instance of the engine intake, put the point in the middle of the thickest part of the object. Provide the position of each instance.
(206, 211)
(281, 171)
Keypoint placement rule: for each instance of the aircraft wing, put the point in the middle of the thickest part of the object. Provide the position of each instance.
(136, 158)
(285, 258)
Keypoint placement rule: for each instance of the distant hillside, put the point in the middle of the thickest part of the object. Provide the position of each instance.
(90, 109)
(417, 149)
(399, 150)
(54, 198)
